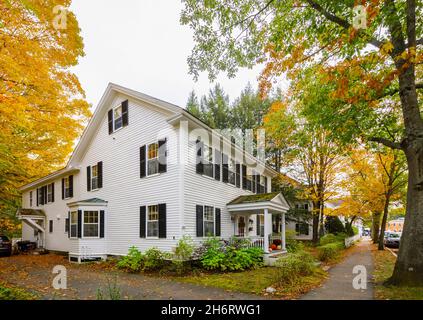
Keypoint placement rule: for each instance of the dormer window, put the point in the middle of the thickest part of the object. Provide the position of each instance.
(117, 118)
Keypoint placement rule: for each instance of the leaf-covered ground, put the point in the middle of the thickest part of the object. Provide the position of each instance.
(384, 266)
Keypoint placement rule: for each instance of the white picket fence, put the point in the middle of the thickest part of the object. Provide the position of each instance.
(350, 241)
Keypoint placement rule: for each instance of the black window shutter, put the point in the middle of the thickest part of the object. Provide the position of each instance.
(162, 221)
(70, 186)
(199, 167)
(101, 223)
(225, 176)
(265, 184)
(100, 174)
(110, 120)
(52, 192)
(217, 222)
(63, 188)
(162, 155)
(244, 177)
(67, 225)
(142, 161)
(38, 202)
(44, 198)
(258, 225)
(142, 221)
(217, 162)
(79, 223)
(199, 213)
(88, 178)
(238, 175)
(125, 115)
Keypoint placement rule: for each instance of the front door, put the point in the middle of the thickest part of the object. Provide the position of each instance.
(241, 226)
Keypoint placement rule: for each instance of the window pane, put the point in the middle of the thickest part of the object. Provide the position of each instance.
(90, 230)
(208, 213)
(94, 171)
(73, 230)
(153, 151)
(74, 217)
(94, 183)
(152, 228)
(153, 166)
(208, 229)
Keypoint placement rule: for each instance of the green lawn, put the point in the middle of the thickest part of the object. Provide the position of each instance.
(384, 265)
(256, 281)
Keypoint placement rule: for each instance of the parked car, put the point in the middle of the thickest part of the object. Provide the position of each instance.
(392, 239)
(5, 246)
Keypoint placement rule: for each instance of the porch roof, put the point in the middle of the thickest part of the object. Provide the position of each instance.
(255, 204)
(88, 202)
(30, 213)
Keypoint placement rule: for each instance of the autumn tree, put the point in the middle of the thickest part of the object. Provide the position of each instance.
(373, 181)
(42, 106)
(310, 154)
(366, 61)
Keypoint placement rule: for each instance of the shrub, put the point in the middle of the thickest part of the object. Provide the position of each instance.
(293, 245)
(183, 253)
(294, 265)
(332, 238)
(329, 251)
(229, 256)
(154, 259)
(334, 225)
(133, 261)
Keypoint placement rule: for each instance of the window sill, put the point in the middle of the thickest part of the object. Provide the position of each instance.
(94, 190)
(152, 238)
(152, 175)
(208, 177)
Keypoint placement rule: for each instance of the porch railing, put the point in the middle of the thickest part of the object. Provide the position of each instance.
(255, 241)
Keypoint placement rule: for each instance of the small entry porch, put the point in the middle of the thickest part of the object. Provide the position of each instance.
(261, 219)
(35, 219)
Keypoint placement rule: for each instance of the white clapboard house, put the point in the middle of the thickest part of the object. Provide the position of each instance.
(145, 173)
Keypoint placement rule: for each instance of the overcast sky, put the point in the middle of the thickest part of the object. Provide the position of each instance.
(140, 44)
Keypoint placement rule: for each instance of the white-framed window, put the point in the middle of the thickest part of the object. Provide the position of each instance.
(50, 193)
(208, 167)
(117, 118)
(153, 221)
(30, 199)
(261, 224)
(250, 178)
(302, 229)
(231, 171)
(40, 195)
(67, 187)
(94, 177)
(208, 221)
(91, 222)
(153, 159)
(74, 224)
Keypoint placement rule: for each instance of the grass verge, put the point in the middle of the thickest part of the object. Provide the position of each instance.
(384, 263)
(256, 281)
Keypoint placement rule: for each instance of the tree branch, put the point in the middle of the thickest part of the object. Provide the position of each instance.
(387, 143)
(339, 21)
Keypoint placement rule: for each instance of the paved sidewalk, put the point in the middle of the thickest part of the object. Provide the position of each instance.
(339, 284)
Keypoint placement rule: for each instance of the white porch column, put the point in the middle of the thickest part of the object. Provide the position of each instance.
(266, 230)
(283, 232)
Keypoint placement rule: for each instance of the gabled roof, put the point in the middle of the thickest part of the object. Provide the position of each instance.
(112, 89)
(254, 198)
(92, 201)
(255, 204)
(30, 212)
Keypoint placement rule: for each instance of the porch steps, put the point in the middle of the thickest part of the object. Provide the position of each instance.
(270, 259)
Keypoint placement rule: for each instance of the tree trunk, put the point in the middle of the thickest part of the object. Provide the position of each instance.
(321, 222)
(381, 245)
(316, 219)
(409, 266)
(375, 226)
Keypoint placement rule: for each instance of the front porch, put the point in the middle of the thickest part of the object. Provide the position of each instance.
(36, 220)
(261, 219)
